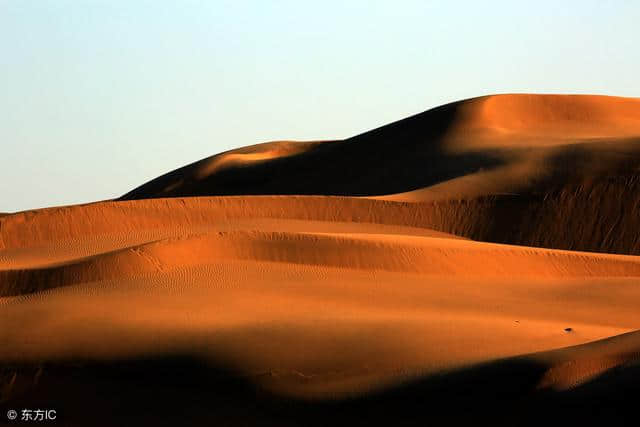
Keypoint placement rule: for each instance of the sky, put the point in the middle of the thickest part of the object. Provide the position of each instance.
(98, 97)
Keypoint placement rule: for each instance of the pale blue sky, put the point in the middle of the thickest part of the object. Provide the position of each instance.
(97, 97)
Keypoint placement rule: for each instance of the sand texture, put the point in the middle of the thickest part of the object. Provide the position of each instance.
(475, 264)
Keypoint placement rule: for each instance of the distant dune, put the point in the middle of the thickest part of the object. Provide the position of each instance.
(494, 133)
(473, 264)
(555, 171)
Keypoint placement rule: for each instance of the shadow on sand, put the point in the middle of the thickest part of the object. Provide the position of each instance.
(184, 391)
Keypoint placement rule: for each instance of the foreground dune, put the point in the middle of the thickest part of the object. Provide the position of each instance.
(476, 263)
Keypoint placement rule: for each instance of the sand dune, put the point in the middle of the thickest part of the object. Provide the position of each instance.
(362, 251)
(476, 263)
(439, 145)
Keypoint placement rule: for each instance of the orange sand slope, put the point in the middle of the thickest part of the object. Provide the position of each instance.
(489, 275)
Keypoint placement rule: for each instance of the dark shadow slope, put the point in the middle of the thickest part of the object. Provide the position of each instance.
(403, 156)
(181, 391)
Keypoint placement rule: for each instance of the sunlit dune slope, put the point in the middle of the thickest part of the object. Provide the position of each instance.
(595, 219)
(361, 251)
(307, 296)
(328, 312)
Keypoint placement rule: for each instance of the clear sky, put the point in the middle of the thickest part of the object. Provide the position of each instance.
(97, 97)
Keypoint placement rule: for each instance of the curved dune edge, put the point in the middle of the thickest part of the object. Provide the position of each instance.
(411, 254)
(590, 218)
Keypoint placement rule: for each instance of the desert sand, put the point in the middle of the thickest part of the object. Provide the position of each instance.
(478, 263)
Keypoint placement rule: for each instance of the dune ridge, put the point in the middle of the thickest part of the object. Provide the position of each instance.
(589, 218)
(416, 254)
